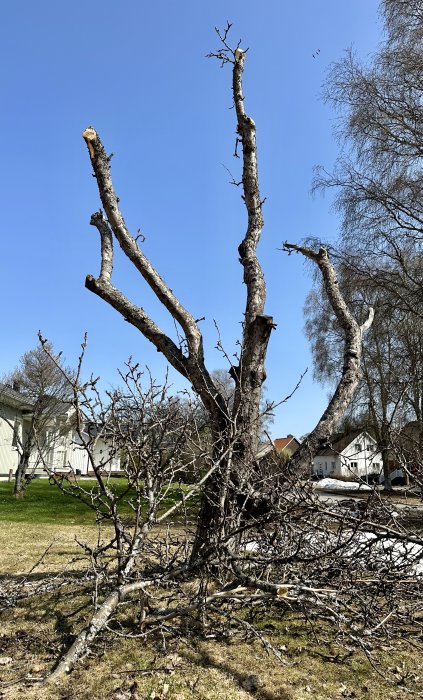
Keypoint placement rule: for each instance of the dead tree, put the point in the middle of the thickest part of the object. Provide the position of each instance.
(235, 429)
(348, 563)
(326, 562)
(354, 564)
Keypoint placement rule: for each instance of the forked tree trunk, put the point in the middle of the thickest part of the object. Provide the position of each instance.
(235, 431)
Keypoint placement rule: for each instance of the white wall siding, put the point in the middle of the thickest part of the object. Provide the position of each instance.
(60, 448)
(78, 458)
(8, 454)
(99, 453)
(357, 460)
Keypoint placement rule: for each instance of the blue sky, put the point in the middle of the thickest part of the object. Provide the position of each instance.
(137, 72)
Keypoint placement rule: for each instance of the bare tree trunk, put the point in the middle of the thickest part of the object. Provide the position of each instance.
(384, 447)
(221, 510)
(238, 429)
(21, 471)
(101, 617)
(235, 429)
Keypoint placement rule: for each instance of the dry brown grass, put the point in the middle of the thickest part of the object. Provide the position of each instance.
(34, 633)
(21, 545)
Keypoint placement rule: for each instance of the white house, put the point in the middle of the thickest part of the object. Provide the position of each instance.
(348, 457)
(60, 448)
(15, 417)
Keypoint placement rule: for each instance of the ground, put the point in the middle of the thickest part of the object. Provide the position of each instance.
(33, 634)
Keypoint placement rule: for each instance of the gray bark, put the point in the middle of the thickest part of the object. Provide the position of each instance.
(238, 427)
(350, 377)
(21, 471)
(235, 431)
(82, 642)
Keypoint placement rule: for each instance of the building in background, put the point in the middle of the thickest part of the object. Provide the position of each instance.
(349, 457)
(59, 447)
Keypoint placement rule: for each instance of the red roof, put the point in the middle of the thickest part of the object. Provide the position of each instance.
(283, 443)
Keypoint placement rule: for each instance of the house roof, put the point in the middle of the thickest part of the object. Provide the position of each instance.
(264, 449)
(339, 441)
(283, 443)
(59, 408)
(16, 399)
(13, 398)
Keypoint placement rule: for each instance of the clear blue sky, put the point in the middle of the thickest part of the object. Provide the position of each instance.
(137, 72)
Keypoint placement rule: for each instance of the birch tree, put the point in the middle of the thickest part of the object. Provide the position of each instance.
(378, 175)
(378, 183)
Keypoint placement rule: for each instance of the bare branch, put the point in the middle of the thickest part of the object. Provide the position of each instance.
(101, 166)
(98, 220)
(350, 376)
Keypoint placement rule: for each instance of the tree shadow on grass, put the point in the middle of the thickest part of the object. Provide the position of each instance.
(244, 679)
(41, 575)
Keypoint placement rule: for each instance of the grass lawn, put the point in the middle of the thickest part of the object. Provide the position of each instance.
(45, 502)
(34, 633)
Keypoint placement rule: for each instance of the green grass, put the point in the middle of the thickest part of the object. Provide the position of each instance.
(41, 531)
(45, 503)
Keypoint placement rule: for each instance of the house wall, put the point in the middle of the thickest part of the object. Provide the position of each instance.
(355, 462)
(8, 454)
(352, 462)
(78, 458)
(325, 465)
(60, 448)
(56, 450)
(101, 454)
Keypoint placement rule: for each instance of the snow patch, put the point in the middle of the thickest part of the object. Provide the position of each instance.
(341, 486)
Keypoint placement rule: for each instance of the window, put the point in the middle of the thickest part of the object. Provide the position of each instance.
(376, 465)
(357, 446)
(370, 448)
(354, 465)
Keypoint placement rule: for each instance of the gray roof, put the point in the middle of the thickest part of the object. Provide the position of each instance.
(16, 399)
(13, 398)
(59, 408)
(339, 441)
(264, 449)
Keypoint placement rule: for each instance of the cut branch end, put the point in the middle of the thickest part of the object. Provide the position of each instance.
(89, 136)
